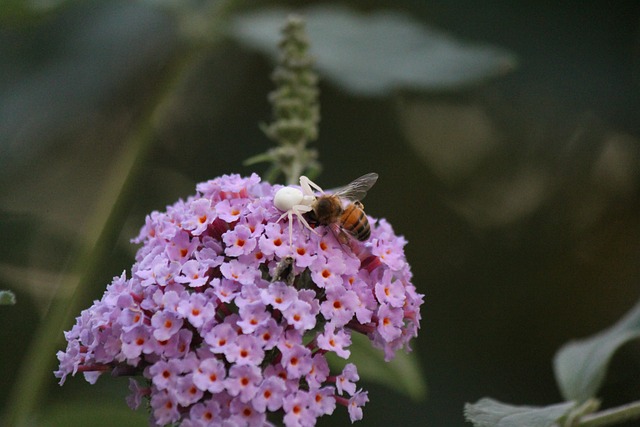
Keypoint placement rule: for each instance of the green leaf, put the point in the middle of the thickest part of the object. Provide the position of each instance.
(491, 413)
(403, 373)
(580, 366)
(376, 53)
(7, 298)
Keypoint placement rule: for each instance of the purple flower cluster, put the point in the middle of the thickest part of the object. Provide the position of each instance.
(229, 324)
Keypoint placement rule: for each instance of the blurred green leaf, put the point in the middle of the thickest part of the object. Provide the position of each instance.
(491, 413)
(95, 414)
(402, 373)
(59, 76)
(7, 298)
(21, 12)
(580, 366)
(376, 53)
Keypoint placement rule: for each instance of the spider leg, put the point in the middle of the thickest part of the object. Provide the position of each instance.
(297, 210)
(286, 214)
(306, 185)
(302, 208)
(290, 216)
(304, 221)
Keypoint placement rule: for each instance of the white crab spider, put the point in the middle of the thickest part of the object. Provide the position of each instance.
(293, 201)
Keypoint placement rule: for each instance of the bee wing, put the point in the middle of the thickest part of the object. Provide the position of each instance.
(357, 189)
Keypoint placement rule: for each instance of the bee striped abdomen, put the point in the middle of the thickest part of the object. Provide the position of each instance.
(354, 221)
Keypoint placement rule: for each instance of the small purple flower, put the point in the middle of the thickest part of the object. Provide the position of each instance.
(328, 271)
(164, 407)
(204, 413)
(187, 392)
(390, 322)
(165, 324)
(210, 375)
(193, 274)
(221, 337)
(274, 241)
(279, 296)
(130, 318)
(137, 394)
(210, 253)
(346, 381)
(252, 317)
(268, 334)
(239, 241)
(181, 247)
(335, 340)
(250, 295)
(340, 305)
(243, 381)
(367, 302)
(227, 323)
(300, 315)
(164, 374)
(245, 350)
(303, 253)
(322, 401)
(135, 341)
(176, 346)
(390, 290)
(201, 215)
(356, 403)
(229, 211)
(242, 273)
(198, 309)
(244, 414)
(169, 298)
(319, 370)
(269, 395)
(226, 289)
(297, 361)
(296, 406)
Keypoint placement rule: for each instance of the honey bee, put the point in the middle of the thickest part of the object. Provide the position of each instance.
(329, 209)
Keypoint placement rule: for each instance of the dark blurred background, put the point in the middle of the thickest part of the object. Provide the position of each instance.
(519, 192)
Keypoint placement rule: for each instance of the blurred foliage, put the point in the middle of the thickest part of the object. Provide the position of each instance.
(490, 413)
(95, 414)
(403, 374)
(580, 366)
(519, 193)
(18, 13)
(7, 298)
(377, 53)
(580, 369)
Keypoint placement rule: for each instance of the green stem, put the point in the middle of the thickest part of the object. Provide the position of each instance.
(297, 166)
(296, 110)
(102, 233)
(620, 414)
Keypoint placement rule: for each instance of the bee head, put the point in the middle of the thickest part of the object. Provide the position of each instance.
(327, 209)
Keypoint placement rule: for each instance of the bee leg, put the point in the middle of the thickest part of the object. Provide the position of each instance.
(339, 234)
